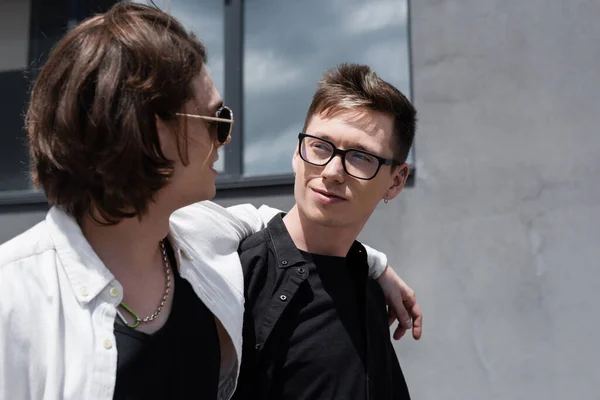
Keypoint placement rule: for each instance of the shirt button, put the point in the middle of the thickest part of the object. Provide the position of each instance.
(284, 262)
(257, 346)
(107, 344)
(283, 297)
(114, 292)
(84, 291)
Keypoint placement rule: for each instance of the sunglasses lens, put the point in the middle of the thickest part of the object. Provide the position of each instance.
(224, 128)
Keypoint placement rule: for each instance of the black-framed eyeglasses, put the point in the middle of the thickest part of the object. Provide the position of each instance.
(357, 163)
(224, 119)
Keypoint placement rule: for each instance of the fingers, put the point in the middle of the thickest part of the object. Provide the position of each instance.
(415, 311)
(391, 316)
(404, 321)
(402, 305)
(401, 313)
(399, 332)
(408, 316)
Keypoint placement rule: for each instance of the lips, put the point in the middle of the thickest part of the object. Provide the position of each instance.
(329, 195)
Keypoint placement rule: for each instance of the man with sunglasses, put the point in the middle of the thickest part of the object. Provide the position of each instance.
(316, 325)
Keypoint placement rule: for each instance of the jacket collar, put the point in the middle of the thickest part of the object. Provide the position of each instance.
(287, 253)
(283, 246)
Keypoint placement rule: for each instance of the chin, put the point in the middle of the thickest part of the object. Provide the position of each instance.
(211, 195)
(328, 219)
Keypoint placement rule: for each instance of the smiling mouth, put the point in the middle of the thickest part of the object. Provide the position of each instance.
(328, 195)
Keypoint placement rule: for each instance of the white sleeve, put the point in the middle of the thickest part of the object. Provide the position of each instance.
(252, 219)
(208, 221)
(377, 262)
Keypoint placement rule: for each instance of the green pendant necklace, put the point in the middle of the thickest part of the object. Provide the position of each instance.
(137, 319)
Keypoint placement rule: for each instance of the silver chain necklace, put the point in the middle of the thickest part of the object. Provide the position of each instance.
(164, 299)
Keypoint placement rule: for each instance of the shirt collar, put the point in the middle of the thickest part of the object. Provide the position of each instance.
(287, 253)
(85, 271)
(285, 249)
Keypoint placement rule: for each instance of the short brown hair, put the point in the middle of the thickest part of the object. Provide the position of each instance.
(92, 117)
(355, 87)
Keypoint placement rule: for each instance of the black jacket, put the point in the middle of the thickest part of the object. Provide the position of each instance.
(274, 270)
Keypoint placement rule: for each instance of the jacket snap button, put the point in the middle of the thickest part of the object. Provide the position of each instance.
(300, 271)
(284, 262)
(283, 297)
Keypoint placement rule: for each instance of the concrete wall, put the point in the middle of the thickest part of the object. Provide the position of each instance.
(499, 236)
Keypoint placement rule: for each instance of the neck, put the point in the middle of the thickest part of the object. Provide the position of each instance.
(319, 239)
(132, 244)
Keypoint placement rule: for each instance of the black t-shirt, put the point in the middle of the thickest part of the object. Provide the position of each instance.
(180, 361)
(325, 355)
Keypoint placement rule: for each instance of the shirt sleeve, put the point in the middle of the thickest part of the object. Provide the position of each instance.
(211, 227)
(251, 219)
(377, 262)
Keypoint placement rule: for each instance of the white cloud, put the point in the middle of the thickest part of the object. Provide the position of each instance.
(266, 71)
(194, 15)
(372, 16)
(389, 60)
(272, 154)
(206, 21)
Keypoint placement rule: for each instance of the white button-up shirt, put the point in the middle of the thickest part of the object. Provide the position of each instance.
(58, 300)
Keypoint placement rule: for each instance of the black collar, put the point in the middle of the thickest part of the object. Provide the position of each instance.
(287, 253)
(285, 249)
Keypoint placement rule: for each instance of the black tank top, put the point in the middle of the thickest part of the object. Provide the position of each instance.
(180, 361)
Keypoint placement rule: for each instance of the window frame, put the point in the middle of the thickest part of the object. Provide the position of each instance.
(232, 177)
(233, 173)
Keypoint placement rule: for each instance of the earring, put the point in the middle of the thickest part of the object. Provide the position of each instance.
(385, 201)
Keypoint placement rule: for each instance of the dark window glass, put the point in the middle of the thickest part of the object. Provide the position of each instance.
(28, 31)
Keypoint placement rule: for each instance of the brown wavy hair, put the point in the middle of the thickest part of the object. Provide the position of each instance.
(356, 87)
(91, 121)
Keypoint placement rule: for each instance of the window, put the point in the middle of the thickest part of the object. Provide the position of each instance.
(288, 45)
(14, 47)
(28, 31)
(265, 57)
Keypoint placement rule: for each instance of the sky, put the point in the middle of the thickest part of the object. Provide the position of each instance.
(288, 45)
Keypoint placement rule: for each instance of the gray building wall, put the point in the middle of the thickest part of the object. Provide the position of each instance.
(499, 237)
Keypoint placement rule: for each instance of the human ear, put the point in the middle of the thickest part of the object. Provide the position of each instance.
(399, 177)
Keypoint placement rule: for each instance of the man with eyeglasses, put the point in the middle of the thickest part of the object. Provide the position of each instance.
(315, 324)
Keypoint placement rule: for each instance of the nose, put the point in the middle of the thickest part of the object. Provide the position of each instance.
(334, 170)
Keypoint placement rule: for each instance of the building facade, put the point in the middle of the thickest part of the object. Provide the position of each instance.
(499, 234)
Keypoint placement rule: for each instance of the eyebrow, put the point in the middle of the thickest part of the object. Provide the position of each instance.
(357, 146)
